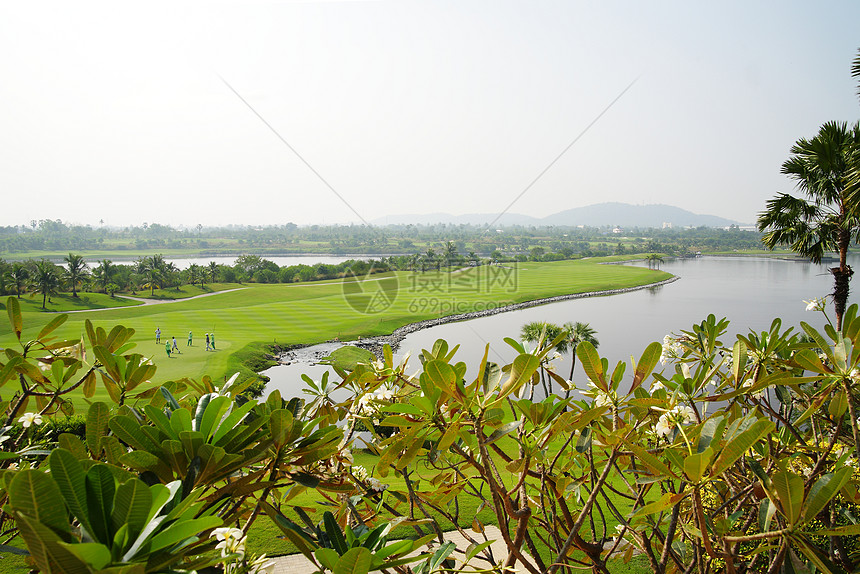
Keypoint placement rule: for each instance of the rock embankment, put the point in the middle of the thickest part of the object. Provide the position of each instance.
(375, 344)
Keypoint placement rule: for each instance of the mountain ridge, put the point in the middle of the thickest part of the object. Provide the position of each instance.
(613, 214)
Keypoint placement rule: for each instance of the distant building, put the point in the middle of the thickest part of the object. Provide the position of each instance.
(617, 230)
(667, 225)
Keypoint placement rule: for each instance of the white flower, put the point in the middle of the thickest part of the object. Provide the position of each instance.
(359, 472)
(657, 385)
(13, 466)
(619, 528)
(677, 415)
(815, 304)
(672, 349)
(30, 419)
(664, 427)
(384, 395)
(232, 541)
(376, 485)
(225, 533)
(759, 394)
(260, 565)
(602, 400)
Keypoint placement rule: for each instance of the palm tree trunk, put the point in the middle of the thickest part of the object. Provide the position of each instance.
(841, 277)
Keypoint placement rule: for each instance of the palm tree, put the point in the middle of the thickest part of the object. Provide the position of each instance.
(46, 280)
(828, 219)
(654, 261)
(76, 271)
(213, 272)
(196, 274)
(576, 334)
(103, 273)
(543, 334)
(18, 275)
(855, 71)
(451, 256)
(150, 271)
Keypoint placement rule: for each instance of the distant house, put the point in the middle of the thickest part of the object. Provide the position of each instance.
(617, 230)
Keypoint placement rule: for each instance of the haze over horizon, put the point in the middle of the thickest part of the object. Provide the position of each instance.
(118, 112)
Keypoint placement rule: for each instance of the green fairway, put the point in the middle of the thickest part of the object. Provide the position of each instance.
(65, 302)
(308, 313)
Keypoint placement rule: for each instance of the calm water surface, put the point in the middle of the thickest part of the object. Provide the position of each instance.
(749, 291)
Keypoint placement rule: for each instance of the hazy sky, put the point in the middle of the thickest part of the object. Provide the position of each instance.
(115, 111)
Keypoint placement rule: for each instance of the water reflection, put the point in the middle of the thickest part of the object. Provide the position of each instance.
(749, 291)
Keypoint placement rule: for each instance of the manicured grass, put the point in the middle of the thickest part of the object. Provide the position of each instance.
(66, 302)
(184, 291)
(308, 313)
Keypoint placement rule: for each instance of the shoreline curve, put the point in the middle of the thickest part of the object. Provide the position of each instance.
(376, 342)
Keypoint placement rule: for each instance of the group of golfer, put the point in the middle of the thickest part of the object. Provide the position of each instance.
(172, 346)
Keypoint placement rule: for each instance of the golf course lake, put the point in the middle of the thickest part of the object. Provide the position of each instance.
(749, 291)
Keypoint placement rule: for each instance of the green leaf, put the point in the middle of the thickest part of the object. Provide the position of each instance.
(37, 495)
(668, 500)
(850, 530)
(348, 357)
(355, 561)
(280, 425)
(161, 422)
(100, 488)
(13, 309)
(649, 359)
(98, 416)
(522, 370)
(789, 490)
(838, 404)
(53, 324)
(654, 464)
(442, 375)
(592, 364)
(502, 431)
(695, 465)
(335, 535)
(711, 429)
(95, 554)
(234, 418)
(327, 557)
(46, 549)
(171, 400)
(214, 411)
(128, 431)
(70, 479)
(201, 410)
(824, 489)
(131, 506)
(183, 529)
(737, 446)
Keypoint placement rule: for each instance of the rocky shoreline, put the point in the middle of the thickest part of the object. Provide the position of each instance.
(375, 344)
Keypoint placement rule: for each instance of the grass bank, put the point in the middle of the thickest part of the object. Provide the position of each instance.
(246, 321)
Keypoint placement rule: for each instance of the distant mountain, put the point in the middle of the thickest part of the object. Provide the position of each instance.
(469, 218)
(597, 215)
(626, 215)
